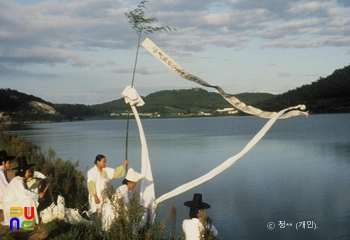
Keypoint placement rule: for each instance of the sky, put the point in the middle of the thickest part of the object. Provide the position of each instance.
(83, 51)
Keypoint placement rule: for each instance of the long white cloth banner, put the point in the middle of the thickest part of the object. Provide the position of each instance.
(223, 166)
(147, 193)
(235, 102)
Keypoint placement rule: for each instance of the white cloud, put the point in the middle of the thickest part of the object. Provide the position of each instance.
(42, 55)
(49, 35)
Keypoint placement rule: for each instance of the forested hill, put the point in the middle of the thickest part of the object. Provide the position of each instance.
(20, 107)
(326, 95)
(184, 101)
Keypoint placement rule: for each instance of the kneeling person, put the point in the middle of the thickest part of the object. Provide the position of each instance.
(129, 183)
(18, 194)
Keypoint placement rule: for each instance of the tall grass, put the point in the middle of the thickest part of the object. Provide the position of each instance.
(62, 176)
(206, 233)
(64, 179)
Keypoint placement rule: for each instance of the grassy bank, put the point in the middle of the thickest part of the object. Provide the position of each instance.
(64, 179)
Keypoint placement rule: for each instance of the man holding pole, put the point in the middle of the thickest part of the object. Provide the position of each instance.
(97, 178)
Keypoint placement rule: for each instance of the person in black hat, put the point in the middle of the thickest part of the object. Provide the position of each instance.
(193, 227)
(18, 194)
(5, 166)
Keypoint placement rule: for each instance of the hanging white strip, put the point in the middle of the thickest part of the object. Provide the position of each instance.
(147, 193)
(187, 186)
(177, 69)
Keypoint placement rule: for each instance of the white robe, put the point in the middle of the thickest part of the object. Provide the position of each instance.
(3, 185)
(104, 207)
(18, 194)
(191, 228)
(124, 192)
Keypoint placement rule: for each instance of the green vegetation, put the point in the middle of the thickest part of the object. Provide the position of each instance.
(187, 101)
(20, 107)
(62, 175)
(73, 112)
(143, 26)
(66, 180)
(326, 95)
(166, 103)
(12, 100)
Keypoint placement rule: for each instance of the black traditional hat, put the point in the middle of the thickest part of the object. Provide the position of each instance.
(22, 164)
(197, 202)
(5, 157)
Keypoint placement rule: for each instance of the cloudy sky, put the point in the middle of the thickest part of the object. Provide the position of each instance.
(83, 51)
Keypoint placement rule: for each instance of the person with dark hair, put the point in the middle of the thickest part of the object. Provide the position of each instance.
(97, 178)
(129, 183)
(4, 168)
(18, 194)
(195, 228)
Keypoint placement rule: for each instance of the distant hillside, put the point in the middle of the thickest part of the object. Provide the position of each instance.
(169, 102)
(326, 95)
(20, 107)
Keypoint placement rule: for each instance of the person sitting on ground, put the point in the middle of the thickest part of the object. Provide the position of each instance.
(18, 194)
(193, 227)
(4, 168)
(38, 183)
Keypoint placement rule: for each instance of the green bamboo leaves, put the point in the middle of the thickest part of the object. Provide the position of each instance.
(142, 24)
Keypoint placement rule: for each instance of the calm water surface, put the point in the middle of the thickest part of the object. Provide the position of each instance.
(300, 170)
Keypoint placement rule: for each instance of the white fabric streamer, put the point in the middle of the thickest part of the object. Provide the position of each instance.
(147, 190)
(235, 102)
(187, 186)
(147, 193)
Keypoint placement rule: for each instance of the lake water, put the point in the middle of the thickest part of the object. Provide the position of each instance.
(299, 173)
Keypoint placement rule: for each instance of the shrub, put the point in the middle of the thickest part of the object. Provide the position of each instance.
(62, 175)
(64, 179)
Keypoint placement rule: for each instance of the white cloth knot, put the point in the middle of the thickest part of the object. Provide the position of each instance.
(131, 96)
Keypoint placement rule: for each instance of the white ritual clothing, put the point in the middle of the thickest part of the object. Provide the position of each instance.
(34, 181)
(18, 194)
(107, 215)
(123, 192)
(104, 207)
(3, 184)
(95, 175)
(107, 211)
(192, 228)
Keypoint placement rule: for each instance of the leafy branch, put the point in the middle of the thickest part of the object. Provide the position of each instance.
(142, 25)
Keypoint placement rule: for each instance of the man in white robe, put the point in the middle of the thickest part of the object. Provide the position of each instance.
(4, 168)
(193, 228)
(123, 193)
(18, 194)
(97, 178)
(129, 183)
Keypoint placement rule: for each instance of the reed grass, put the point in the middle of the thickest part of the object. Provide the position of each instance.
(64, 179)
